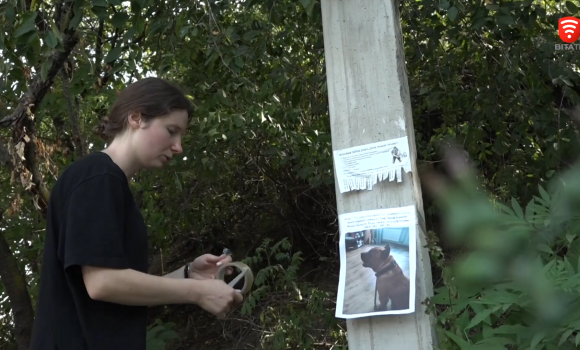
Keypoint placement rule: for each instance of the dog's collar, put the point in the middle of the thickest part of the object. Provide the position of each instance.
(387, 268)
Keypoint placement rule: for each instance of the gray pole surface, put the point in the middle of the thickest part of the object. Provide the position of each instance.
(369, 102)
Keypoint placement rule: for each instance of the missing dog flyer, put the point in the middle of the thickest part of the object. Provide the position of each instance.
(361, 167)
(377, 262)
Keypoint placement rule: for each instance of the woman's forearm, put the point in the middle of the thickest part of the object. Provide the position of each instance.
(130, 287)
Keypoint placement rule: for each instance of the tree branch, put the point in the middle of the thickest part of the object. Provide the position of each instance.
(102, 81)
(38, 89)
(99, 48)
(23, 121)
(72, 116)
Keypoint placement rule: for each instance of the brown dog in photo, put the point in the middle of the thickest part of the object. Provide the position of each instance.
(392, 284)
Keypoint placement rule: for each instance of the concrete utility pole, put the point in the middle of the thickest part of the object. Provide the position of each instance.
(368, 96)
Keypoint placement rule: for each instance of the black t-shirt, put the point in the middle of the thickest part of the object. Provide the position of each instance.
(92, 220)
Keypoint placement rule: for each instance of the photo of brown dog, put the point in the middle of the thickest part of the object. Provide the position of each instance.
(378, 263)
(391, 284)
(378, 271)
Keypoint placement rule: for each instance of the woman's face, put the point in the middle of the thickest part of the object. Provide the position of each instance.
(157, 141)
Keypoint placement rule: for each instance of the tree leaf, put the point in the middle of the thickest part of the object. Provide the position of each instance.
(565, 336)
(506, 19)
(44, 68)
(517, 208)
(99, 3)
(74, 23)
(479, 317)
(504, 208)
(543, 247)
(27, 25)
(129, 34)
(238, 61)
(100, 12)
(55, 31)
(572, 8)
(178, 183)
(310, 8)
(459, 341)
(530, 210)
(478, 23)
(306, 3)
(113, 54)
(119, 19)
(250, 35)
(51, 39)
(537, 339)
(27, 38)
(452, 13)
(155, 344)
(10, 12)
(545, 196)
(566, 81)
(78, 7)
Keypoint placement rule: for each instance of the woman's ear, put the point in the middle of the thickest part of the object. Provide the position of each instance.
(134, 119)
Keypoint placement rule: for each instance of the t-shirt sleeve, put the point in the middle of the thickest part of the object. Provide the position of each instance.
(93, 231)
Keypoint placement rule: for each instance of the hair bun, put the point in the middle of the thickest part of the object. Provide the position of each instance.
(101, 128)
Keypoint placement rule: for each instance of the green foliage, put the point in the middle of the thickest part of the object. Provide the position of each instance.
(260, 138)
(487, 74)
(159, 334)
(257, 158)
(518, 283)
(274, 276)
(290, 310)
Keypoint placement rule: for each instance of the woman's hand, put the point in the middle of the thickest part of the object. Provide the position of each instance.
(206, 266)
(217, 297)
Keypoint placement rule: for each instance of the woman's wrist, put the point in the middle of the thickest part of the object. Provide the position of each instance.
(180, 273)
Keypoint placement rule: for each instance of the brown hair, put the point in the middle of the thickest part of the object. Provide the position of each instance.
(152, 97)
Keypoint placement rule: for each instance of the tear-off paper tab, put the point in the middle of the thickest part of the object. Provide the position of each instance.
(361, 167)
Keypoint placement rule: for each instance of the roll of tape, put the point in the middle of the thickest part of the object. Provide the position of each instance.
(245, 273)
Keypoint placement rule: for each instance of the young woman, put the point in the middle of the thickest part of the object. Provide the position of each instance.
(94, 287)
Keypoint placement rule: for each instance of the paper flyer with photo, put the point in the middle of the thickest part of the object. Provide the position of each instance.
(361, 167)
(377, 262)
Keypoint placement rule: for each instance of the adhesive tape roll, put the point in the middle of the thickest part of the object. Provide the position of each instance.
(245, 273)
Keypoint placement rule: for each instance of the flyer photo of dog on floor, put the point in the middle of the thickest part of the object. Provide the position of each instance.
(377, 271)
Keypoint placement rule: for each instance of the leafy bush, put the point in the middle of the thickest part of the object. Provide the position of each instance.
(516, 284)
(292, 314)
(159, 334)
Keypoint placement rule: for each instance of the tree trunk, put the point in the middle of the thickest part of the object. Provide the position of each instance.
(16, 288)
